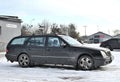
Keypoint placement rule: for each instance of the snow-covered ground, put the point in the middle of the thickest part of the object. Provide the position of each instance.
(11, 72)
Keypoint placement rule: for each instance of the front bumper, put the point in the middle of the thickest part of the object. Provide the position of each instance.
(102, 62)
(108, 60)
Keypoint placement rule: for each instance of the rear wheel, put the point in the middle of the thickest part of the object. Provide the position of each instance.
(85, 63)
(24, 60)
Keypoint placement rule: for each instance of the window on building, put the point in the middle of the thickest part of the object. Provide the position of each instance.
(0, 30)
(96, 41)
(97, 36)
(91, 39)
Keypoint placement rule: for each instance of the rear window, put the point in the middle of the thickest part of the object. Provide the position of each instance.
(18, 41)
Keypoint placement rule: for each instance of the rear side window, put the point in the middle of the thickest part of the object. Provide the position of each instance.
(119, 41)
(18, 41)
(37, 41)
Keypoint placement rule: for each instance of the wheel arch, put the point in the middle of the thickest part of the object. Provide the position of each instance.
(31, 63)
(83, 54)
(87, 54)
(22, 53)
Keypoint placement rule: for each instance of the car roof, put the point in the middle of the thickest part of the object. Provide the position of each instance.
(38, 35)
(115, 38)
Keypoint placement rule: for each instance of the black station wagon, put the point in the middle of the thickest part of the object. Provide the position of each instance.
(55, 49)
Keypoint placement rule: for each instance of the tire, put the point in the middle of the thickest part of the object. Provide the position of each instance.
(24, 60)
(85, 63)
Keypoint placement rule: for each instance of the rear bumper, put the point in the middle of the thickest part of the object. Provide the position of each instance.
(11, 57)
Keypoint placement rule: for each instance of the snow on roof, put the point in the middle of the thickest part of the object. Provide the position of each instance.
(10, 18)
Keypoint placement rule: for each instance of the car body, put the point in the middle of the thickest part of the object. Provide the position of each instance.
(55, 49)
(113, 43)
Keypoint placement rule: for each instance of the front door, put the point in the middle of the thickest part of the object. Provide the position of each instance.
(55, 52)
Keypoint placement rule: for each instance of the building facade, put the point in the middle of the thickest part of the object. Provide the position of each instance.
(98, 37)
(10, 26)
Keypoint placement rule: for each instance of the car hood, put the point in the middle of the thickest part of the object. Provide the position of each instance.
(91, 47)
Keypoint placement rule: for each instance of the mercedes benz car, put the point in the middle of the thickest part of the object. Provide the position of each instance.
(55, 49)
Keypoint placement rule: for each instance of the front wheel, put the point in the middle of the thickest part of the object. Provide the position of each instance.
(24, 60)
(85, 63)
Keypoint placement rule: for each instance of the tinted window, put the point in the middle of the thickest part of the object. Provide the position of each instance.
(96, 36)
(113, 41)
(18, 41)
(37, 41)
(53, 42)
(119, 41)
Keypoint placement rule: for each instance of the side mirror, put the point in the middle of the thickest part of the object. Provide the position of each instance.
(64, 45)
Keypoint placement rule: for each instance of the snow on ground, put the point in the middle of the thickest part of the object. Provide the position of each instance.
(11, 72)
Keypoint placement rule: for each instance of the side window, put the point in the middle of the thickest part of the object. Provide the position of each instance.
(119, 41)
(53, 42)
(113, 41)
(18, 41)
(37, 41)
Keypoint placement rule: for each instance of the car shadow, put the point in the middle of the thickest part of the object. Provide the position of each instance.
(66, 67)
(56, 66)
(46, 66)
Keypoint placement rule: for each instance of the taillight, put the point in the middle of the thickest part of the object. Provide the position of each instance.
(6, 50)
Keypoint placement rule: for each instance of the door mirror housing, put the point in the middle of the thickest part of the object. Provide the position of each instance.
(64, 45)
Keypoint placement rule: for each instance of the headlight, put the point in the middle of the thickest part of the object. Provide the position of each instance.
(104, 54)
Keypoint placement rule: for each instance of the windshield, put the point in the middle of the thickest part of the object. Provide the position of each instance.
(70, 40)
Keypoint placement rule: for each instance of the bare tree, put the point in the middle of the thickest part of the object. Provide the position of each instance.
(116, 32)
(55, 29)
(25, 30)
(72, 31)
(64, 29)
(44, 25)
(42, 28)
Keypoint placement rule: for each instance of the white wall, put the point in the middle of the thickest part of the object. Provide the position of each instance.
(8, 31)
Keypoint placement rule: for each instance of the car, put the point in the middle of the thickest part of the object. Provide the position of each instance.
(55, 49)
(113, 43)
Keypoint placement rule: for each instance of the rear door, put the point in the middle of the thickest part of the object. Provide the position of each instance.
(36, 48)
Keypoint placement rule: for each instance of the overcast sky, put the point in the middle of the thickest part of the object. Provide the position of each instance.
(97, 15)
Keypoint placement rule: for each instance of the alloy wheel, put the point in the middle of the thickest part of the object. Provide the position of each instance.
(24, 60)
(85, 63)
